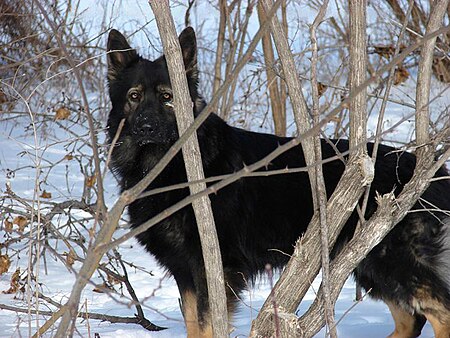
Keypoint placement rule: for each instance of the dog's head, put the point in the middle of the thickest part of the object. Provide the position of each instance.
(141, 93)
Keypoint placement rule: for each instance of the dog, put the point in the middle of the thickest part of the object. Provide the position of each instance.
(259, 219)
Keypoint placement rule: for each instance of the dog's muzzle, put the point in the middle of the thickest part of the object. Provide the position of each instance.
(147, 132)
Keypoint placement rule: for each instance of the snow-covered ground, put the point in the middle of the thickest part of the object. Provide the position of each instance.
(368, 319)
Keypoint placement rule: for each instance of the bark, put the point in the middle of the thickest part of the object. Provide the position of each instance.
(276, 101)
(358, 71)
(424, 77)
(194, 170)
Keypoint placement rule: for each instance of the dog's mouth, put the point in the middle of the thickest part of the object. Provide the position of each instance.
(146, 134)
(156, 140)
(144, 142)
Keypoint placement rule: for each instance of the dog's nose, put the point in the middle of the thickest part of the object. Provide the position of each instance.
(144, 129)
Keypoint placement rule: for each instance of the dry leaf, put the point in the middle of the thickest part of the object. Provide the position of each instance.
(46, 194)
(112, 280)
(14, 285)
(90, 181)
(3, 98)
(322, 88)
(384, 51)
(8, 225)
(21, 221)
(101, 288)
(62, 113)
(68, 157)
(400, 75)
(5, 263)
(22, 227)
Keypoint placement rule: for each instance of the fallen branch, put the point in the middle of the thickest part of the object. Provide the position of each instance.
(86, 315)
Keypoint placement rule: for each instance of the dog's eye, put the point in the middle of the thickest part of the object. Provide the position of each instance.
(134, 96)
(166, 97)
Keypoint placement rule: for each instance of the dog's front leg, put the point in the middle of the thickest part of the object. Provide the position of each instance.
(196, 317)
(194, 298)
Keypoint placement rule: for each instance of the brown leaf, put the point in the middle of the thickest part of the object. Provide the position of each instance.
(101, 288)
(401, 75)
(384, 51)
(8, 225)
(46, 194)
(21, 221)
(321, 88)
(14, 285)
(3, 98)
(387, 51)
(112, 280)
(90, 181)
(68, 157)
(62, 113)
(5, 263)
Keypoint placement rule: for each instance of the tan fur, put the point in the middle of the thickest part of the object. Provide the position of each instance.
(427, 304)
(440, 330)
(435, 312)
(404, 322)
(193, 328)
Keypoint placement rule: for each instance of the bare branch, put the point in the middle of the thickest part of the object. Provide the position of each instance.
(424, 77)
(358, 70)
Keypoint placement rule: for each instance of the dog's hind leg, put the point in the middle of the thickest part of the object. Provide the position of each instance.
(407, 325)
(435, 311)
(441, 330)
(435, 301)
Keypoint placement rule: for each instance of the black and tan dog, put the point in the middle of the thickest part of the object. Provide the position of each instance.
(409, 270)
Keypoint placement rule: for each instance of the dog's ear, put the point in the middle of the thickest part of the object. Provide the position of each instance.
(188, 44)
(120, 54)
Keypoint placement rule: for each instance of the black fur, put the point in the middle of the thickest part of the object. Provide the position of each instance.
(255, 215)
